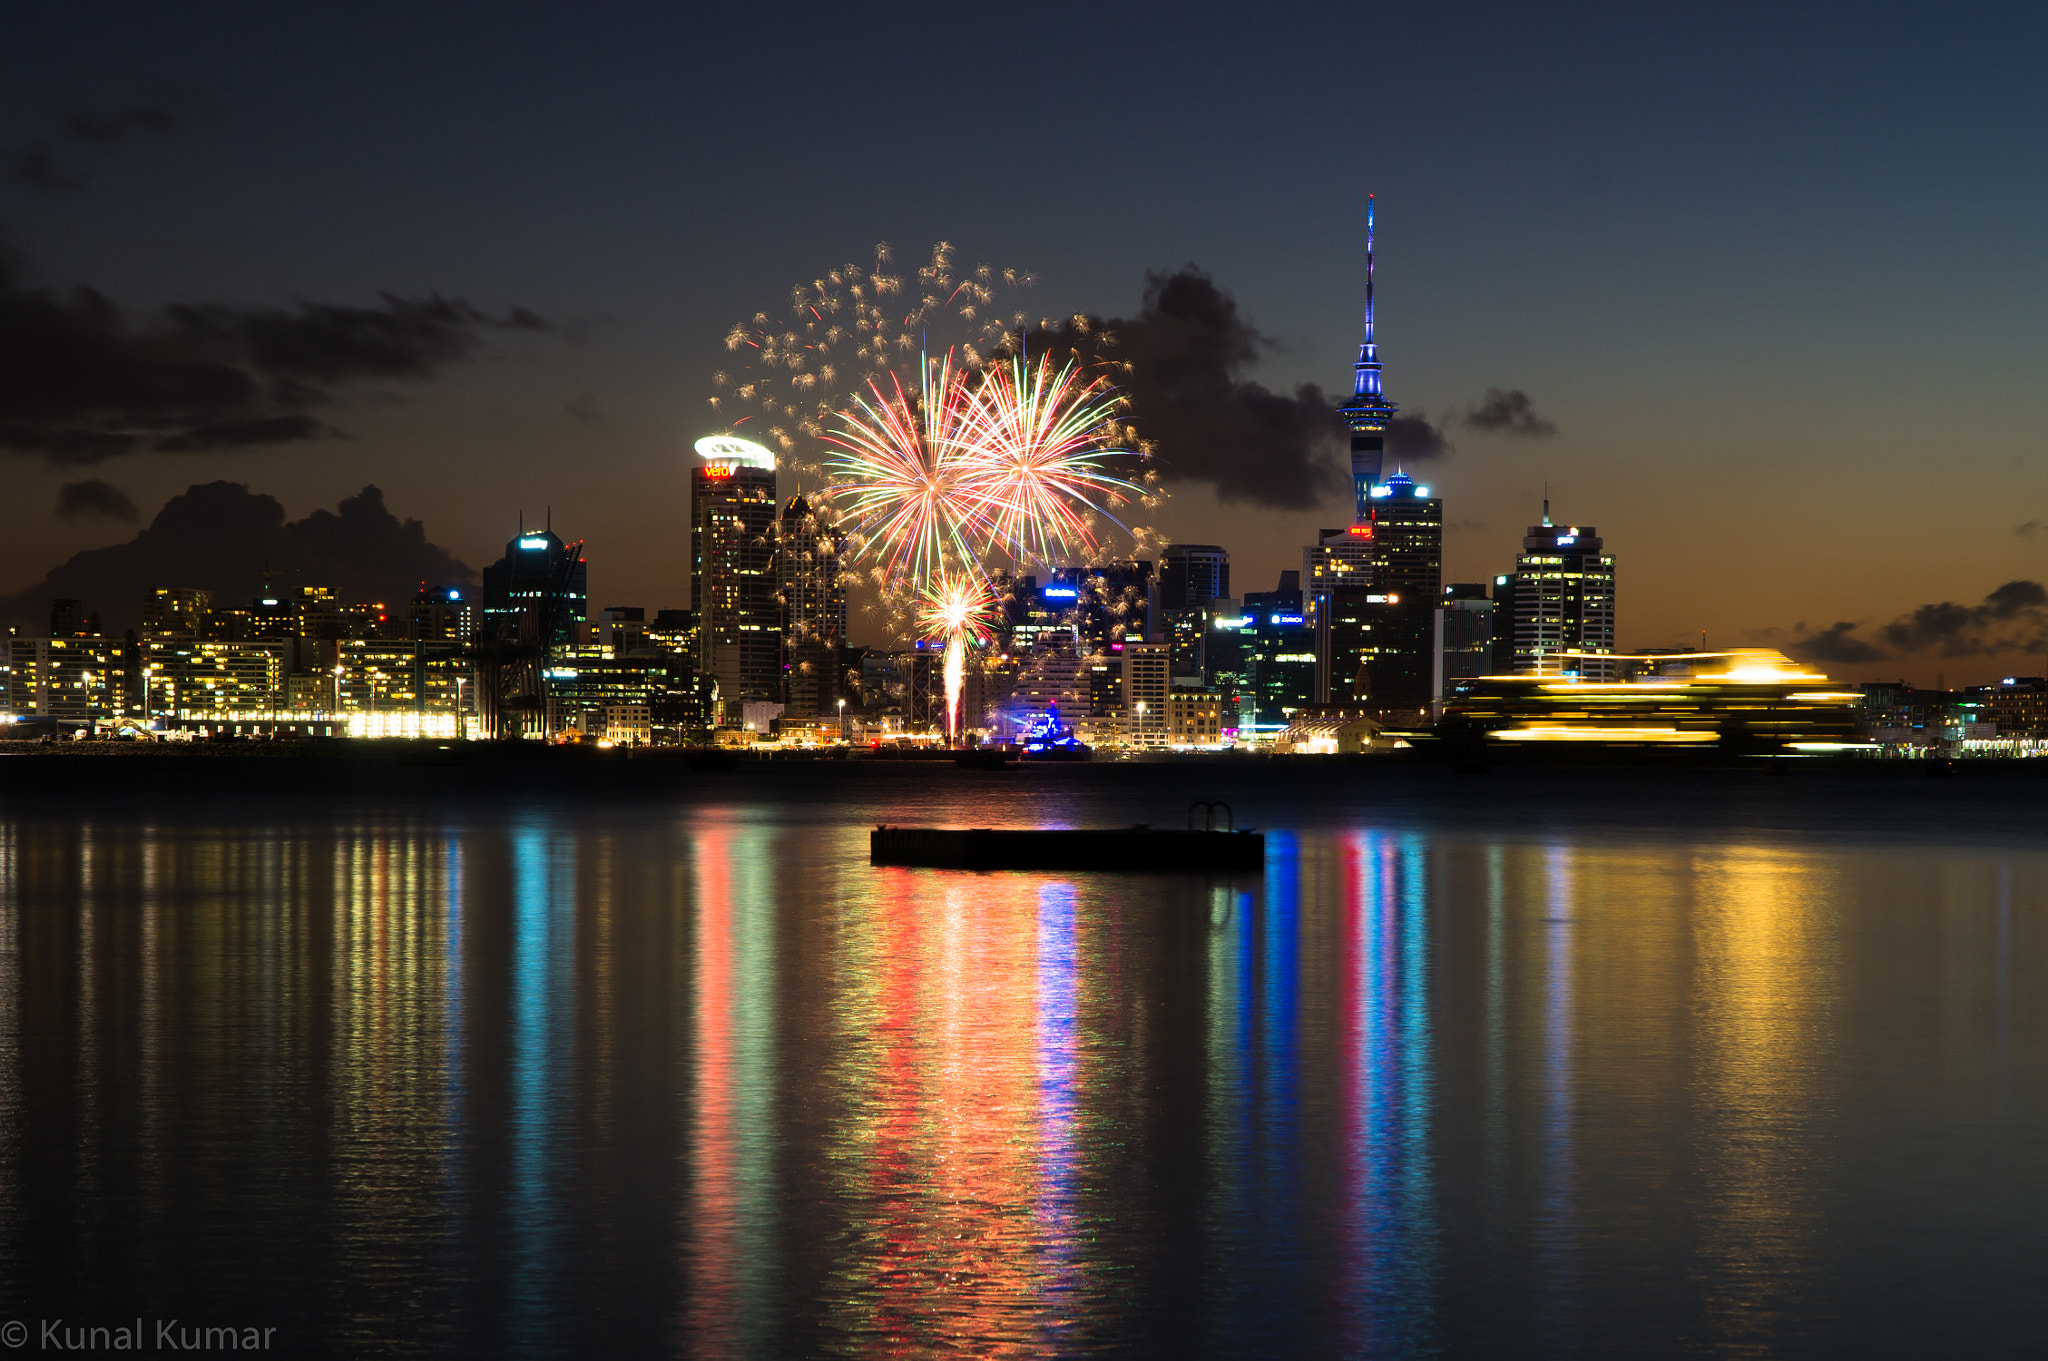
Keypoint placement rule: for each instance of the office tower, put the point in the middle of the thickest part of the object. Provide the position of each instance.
(515, 589)
(1373, 587)
(1464, 637)
(1192, 577)
(1376, 648)
(813, 600)
(1192, 574)
(1407, 538)
(1277, 659)
(1341, 559)
(732, 572)
(1030, 613)
(1502, 661)
(1368, 413)
(173, 611)
(1564, 603)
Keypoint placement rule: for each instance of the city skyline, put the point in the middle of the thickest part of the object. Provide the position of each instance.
(1710, 325)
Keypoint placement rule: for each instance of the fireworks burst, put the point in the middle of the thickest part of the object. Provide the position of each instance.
(901, 479)
(1039, 444)
(937, 470)
(957, 606)
(848, 328)
(960, 610)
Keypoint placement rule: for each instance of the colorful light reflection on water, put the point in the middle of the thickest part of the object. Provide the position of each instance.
(701, 1082)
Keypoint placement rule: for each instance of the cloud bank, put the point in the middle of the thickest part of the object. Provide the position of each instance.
(82, 381)
(2012, 618)
(222, 537)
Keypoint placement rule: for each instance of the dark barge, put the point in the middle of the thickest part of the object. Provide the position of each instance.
(1128, 848)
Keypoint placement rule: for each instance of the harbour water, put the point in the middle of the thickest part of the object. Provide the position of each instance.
(1544, 1063)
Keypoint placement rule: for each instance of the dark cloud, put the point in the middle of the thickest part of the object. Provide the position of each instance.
(2009, 619)
(97, 500)
(1414, 439)
(81, 380)
(222, 537)
(1508, 412)
(1835, 643)
(41, 164)
(1959, 630)
(2013, 597)
(2030, 528)
(1180, 363)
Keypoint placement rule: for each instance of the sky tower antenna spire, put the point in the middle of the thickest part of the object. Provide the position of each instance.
(1368, 413)
(1367, 350)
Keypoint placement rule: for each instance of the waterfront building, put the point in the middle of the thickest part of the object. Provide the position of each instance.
(628, 725)
(812, 595)
(585, 683)
(2016, 707)
(74, 681)
(184, 679)
(1564, 603)
(1194, 718)
(732, 571)
(1147, 682)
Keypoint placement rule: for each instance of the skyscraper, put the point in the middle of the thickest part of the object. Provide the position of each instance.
(1464, 637)
(1192, 576)
(1564, 603)
(516, 585)
(813, 599)
(732, 571)
(1368, 413)
(1372, 593)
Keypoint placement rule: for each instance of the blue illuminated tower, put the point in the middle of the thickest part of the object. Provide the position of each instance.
(1368, 412)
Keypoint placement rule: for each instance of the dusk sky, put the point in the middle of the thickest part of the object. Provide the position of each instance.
(1777, 281)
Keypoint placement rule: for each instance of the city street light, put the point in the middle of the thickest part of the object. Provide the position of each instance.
(842, 718)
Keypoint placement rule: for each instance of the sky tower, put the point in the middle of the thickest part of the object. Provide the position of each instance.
(1368, 412)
